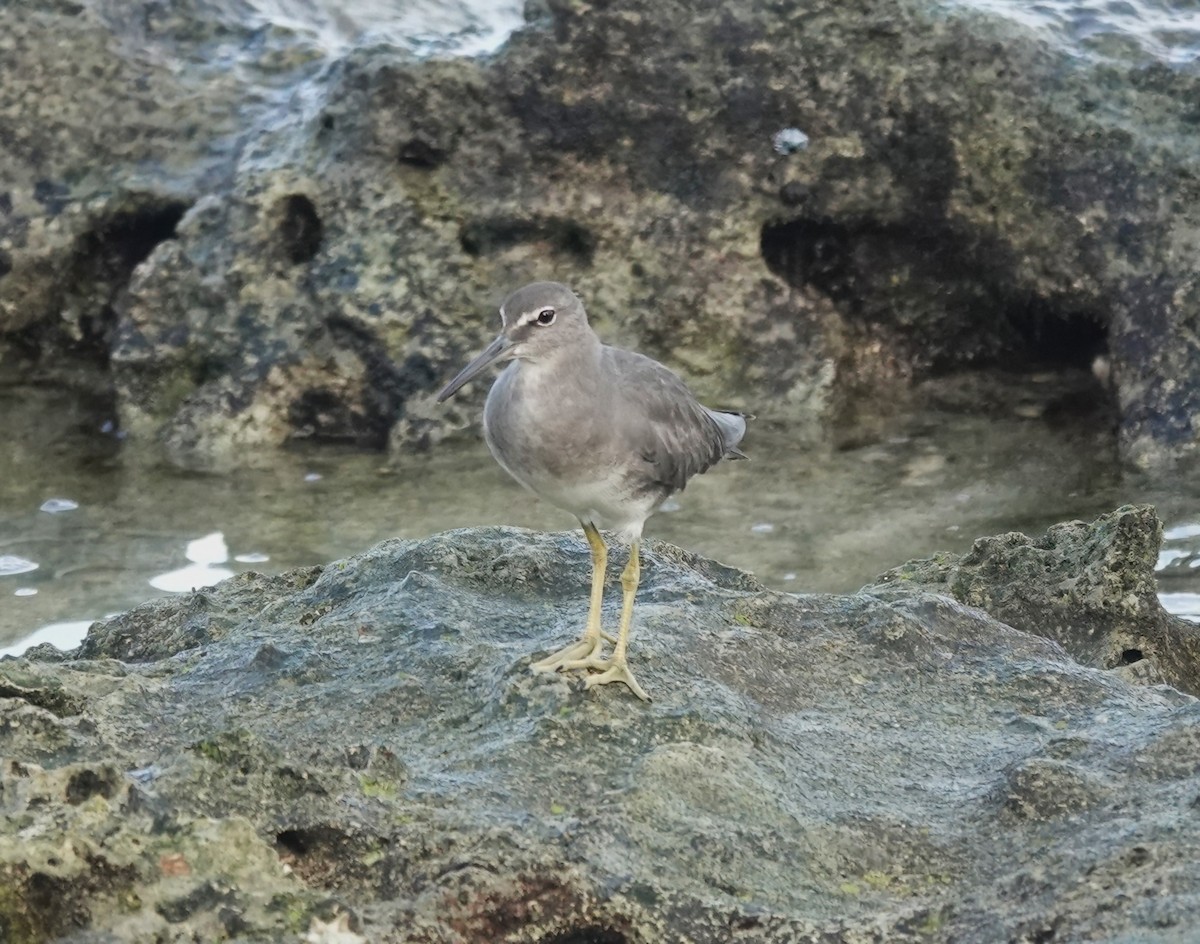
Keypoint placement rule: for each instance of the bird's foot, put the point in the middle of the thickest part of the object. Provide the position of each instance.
(586, 649)
(613, 671)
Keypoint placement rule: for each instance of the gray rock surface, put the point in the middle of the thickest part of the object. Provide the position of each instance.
(264, 244)
(362, 747)
(1090, 587)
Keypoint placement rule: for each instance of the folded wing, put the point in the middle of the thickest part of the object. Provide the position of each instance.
(676, 435)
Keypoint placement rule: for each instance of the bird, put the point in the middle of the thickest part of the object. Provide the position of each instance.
(602, 432)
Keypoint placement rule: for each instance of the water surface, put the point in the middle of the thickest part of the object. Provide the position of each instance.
(104, 536)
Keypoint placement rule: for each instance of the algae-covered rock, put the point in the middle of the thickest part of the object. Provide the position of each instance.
(803, 208)
(1089, 587)
(363, 751)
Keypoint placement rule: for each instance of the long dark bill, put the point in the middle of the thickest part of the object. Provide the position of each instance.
(489, 354)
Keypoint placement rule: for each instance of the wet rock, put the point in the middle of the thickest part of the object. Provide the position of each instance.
(108, 141)
(254, 272)
(1088, 586)
(363, 750)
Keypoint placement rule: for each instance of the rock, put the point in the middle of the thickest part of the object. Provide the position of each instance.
(265, 244)
(1089, 587)
(115, 125)
(363, 752)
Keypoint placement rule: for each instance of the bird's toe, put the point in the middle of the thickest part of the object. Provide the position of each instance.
(616, 672)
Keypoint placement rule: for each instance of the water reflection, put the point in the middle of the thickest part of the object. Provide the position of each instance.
(1185, 605)
(11, 565)
(205, 554)
(56, 506)
(63, 636)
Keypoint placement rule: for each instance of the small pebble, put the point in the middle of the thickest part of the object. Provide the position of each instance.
(789, 141)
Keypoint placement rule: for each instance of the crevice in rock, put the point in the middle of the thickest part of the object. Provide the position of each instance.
(49, 698)
(420, 154)
(300, 228)
(93, 277)
(319, 855)
(484, 237)
(50, 906)
(1130, 656)
(361, 414)
(588, 935)
(105, 258)
(293, 842)
(87, 783)
(947, 301)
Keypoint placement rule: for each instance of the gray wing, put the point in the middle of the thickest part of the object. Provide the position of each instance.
(674, 434)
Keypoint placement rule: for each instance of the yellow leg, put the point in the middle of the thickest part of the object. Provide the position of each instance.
(616, 669)
(590, 646)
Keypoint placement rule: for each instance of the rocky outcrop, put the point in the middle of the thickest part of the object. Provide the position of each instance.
(361, 750)
(1089, 587)
(266, 244)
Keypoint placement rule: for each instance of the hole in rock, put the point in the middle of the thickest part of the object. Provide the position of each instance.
(1130, 656)
(54, 903)
(101, 264)
(300, 228)
(321, 855)
(495, 234)
(589, 935)
(954, 299)
(128, 238)
(86, 784)
(1056, 338)
(420, 154)
(294, 841)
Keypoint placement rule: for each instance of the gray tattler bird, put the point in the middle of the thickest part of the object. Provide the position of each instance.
(603, 433)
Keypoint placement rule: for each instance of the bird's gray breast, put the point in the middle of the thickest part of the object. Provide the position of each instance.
(535, 431)
(554, 432)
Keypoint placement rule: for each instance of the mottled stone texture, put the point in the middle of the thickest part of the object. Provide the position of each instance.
(1089, 587)
(363, 746)
(262, 244)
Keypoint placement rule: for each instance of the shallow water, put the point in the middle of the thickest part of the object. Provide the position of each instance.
(113, 536)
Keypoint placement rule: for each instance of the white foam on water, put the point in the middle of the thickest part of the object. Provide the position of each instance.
(425, 27)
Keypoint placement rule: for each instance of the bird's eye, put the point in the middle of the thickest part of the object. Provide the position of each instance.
(545, 317)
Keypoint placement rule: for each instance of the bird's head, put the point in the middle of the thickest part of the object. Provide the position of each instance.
(536, 321)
